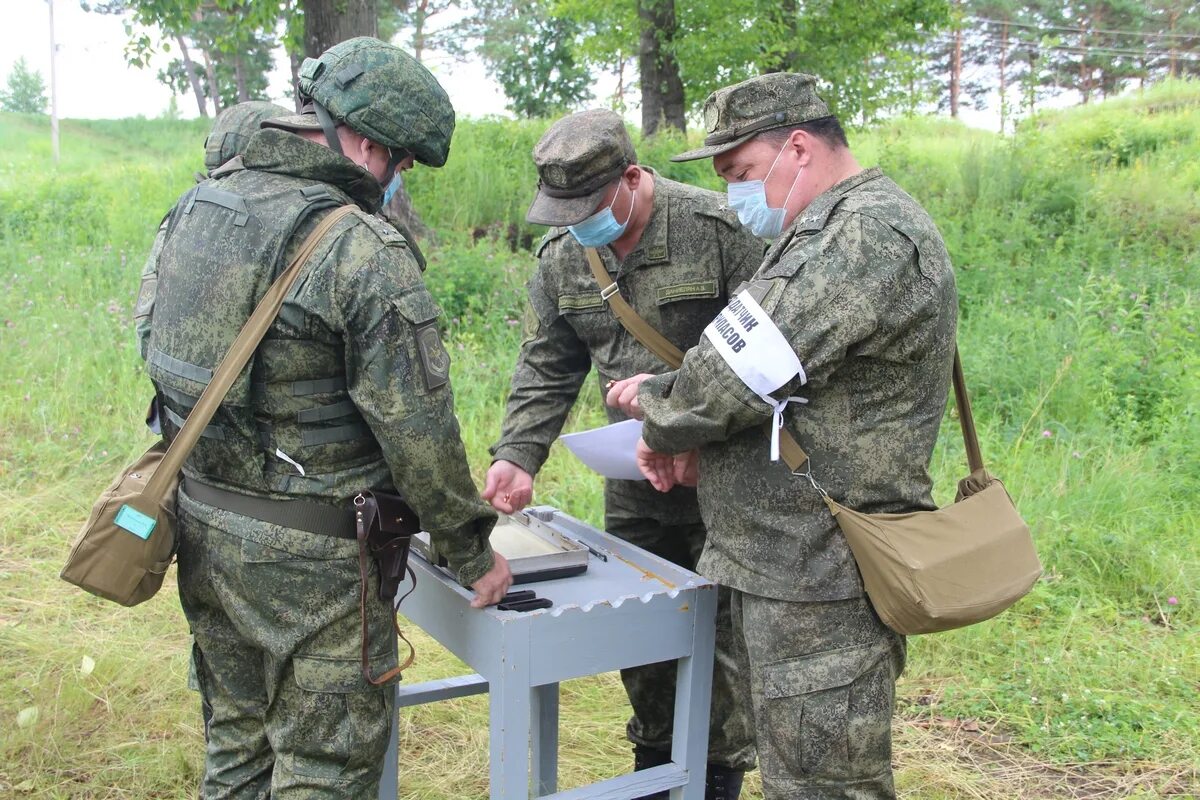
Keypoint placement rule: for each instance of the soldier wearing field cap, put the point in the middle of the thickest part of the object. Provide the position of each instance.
(845, 337)
(347, 392)
(675, 254)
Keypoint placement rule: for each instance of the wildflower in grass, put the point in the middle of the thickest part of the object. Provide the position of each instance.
(1046, 434)
(1172, 600)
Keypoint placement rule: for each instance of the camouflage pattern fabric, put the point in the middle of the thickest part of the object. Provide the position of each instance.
(691, 254)
(274, 611)
(861, 287)
(233, 128)
(277, 635)
(822, 678)
(737, 113)
(381, 92)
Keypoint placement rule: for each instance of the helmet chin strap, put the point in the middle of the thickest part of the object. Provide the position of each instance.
(330, 128)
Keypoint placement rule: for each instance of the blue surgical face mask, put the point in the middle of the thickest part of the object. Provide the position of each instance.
(602, 227)
(749, 200)
(393, 186)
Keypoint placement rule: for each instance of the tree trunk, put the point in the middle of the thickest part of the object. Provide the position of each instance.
(1172, 57)
(662, 87)
(296, 59)
(239, 73)
(420, 15)
(214, 91)
(327, 22)
(193, 76)
(1003, 81)
(955, 71)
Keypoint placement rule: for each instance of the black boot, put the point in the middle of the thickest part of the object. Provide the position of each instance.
(723, 783)
(645, 758)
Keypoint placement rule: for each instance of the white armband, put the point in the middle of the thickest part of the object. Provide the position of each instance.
(758, 353)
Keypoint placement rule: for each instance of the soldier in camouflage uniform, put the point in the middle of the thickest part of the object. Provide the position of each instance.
(348, 391)
(233, 127)
(854, 312)
(675, 252)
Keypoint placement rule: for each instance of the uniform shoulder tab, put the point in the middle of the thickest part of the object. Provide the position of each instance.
(551, 235)
(707, 203)
(720, 212)
(381, 228)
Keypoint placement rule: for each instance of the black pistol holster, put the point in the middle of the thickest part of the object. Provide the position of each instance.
(385, 526)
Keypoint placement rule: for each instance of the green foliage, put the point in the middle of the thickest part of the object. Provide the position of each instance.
(532, 55)
(1077, 250)
(26, 91)
(720, 43)
(233, 37)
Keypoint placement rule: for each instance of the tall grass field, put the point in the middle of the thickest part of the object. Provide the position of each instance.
(1075, 244)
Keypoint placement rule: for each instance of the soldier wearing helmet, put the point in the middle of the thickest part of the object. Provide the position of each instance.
(233, 128)
(348, 391)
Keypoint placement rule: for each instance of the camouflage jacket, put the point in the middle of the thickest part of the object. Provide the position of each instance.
(861, 288)
(361, 305)
(692, 252)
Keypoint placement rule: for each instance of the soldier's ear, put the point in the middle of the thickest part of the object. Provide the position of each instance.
(633, 175)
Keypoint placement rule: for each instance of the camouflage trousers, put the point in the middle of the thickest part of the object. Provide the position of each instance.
(651, 688)
(274, 613)
(823, 682)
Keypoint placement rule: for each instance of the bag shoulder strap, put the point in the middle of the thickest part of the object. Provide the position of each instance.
(235, 360)
(965, 419)
(789, 449)
(654, 341)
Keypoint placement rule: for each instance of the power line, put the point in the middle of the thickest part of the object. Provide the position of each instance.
(1079, 49)
(1048, 28)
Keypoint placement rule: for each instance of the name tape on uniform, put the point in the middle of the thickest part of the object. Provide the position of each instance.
(752, 346)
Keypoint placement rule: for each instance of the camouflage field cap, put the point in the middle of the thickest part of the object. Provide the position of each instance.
(734, 114)
(381, 92)
(576, 160)
(234, 127)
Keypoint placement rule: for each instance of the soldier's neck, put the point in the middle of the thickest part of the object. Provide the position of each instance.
(643, 210)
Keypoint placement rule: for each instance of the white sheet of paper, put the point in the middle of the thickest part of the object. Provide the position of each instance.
(610, 450)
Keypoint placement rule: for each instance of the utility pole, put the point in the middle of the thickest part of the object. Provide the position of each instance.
(53, 87)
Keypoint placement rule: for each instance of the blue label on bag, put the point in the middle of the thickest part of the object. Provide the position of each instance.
(135, 522)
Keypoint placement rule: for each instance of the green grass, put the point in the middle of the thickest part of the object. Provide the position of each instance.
(1076, 248)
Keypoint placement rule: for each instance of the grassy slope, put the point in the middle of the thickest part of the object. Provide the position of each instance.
(1076, 251)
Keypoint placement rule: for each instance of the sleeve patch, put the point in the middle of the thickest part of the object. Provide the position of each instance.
(435, 361)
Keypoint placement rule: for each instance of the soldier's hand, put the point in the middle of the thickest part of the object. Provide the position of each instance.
(507, 487)
(492, 587)
(659, 468)
(624, 395)
(687, 468)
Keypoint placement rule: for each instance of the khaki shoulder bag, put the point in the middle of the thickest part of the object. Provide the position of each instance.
(123, 550)
(924, 571)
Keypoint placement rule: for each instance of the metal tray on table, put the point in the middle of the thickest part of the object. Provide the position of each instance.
(535, 551)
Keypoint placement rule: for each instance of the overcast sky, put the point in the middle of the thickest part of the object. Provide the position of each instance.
(94, 81)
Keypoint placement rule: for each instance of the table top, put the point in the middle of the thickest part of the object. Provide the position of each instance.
(629, 574)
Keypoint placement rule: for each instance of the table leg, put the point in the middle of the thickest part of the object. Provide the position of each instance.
(389, 785)
(511, 709)
(693, 691)
(545, 739)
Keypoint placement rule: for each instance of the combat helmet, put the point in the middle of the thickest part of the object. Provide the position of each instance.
(234, 127)
(383, 93)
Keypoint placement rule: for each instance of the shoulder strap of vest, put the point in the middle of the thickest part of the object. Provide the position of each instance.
(789, 449)
(231, 365)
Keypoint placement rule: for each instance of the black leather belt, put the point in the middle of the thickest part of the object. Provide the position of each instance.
(326, 519)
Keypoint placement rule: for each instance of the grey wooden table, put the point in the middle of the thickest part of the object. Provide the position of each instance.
(632, 609)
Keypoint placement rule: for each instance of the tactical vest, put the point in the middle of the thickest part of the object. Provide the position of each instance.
(287, 424)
